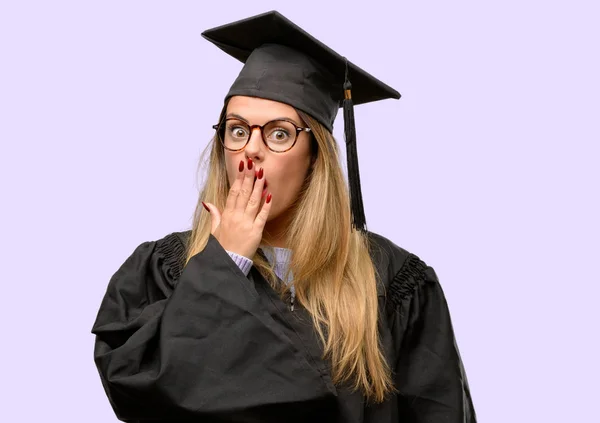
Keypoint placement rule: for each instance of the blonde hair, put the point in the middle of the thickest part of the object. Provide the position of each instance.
(334, 276)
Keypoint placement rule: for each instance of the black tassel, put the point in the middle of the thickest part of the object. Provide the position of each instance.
(358, 213)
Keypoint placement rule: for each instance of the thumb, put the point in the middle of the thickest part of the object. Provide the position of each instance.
(215, 216)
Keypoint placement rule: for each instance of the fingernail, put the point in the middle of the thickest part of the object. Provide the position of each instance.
(269, 198)
(249, 164)
(260, 173)
(241, 166)
(205, 206)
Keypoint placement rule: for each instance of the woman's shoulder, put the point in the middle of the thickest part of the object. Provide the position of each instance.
(172, 250)
(174, 240)
(164, 256)
(401, 272)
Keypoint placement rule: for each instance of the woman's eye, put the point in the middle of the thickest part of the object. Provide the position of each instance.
(280, 135)
(238, 132)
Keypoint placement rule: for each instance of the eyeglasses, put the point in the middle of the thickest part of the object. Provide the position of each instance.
(278, 135)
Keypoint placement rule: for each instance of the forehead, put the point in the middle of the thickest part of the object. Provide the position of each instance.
(259, 110)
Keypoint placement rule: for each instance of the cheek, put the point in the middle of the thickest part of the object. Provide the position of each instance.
(291, 174)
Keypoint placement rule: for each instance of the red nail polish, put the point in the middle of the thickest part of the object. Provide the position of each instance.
(260, 173)
(249, 164)
(207, 209)
(269, 198)
(241, 166)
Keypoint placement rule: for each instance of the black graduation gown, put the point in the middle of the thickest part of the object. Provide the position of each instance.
(206, 343)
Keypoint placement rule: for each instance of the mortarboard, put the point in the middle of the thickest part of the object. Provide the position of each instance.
(284, 63)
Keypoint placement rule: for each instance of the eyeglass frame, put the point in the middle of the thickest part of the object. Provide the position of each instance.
(251, 128)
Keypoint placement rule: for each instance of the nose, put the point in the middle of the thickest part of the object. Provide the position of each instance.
(255, 143)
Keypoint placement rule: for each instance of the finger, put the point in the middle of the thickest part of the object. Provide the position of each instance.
(235, 188)
(263, 215)
(215, 217)
(256, 196)
(246, 187)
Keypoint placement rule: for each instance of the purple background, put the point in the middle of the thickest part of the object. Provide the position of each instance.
(487, 169)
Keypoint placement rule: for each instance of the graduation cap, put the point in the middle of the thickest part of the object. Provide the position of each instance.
(284, 63)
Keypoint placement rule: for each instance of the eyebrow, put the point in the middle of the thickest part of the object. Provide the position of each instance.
(234, 115)
(230, 115)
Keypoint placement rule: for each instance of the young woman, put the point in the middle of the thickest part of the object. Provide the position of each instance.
(278, 305)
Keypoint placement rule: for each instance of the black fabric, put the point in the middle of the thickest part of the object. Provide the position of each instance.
(285, 63)
(214, 345)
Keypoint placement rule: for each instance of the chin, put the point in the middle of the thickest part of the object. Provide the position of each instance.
(275, 213)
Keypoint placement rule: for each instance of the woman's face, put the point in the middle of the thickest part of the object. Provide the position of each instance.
(284, 172)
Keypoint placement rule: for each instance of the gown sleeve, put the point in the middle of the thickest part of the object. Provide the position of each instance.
(193, 343)
(429, 373)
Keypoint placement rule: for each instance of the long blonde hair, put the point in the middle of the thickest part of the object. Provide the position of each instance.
(334, 276)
